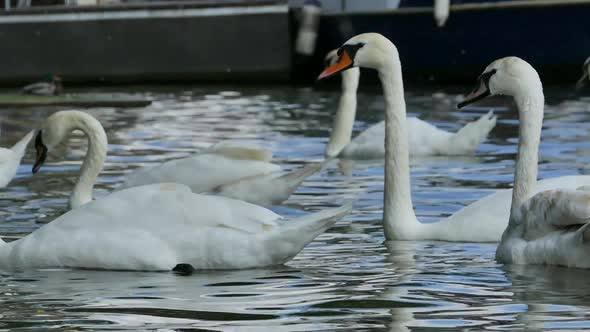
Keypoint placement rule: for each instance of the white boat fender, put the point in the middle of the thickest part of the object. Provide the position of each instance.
(308, 27)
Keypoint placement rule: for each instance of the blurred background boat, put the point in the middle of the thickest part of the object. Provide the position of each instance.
(552, 34)
(253, 41)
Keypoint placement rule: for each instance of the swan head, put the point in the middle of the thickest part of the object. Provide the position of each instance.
(350, 77)
(50, 135)
(585, 74)
(509, 76)
(367, 50)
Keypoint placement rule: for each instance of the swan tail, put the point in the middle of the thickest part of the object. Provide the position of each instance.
(290, 181)
(472, 134)
(294, 234)
(20, 147)
(268, 189)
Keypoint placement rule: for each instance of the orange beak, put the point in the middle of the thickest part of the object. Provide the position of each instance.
(343, 63)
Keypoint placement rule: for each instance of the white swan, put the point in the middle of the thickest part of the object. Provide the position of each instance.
(481, 221)
(10, 159)
(424, 138)
(155, 227)
(239, 172)
(549, 227)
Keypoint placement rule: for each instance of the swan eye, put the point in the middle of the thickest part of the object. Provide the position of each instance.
(485, 77)
(351, 49)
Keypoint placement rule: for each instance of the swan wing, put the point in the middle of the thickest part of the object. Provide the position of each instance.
(424, 139)
(554, 210)
(486, 219)
(240, 151)
(427, 139)
(158, 226)
(201, 172)
(9, 161)
(550, 228)
(151, 227)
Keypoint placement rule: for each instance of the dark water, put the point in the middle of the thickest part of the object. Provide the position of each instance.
(345, 280)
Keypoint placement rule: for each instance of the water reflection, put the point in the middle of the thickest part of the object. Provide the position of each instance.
(348, 278)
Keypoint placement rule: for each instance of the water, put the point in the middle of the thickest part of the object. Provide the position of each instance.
(347, 279)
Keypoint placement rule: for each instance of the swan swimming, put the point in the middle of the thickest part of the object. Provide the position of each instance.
(10, 159)
(424, 138)
(482, 221)
(548, 227)
(229, 170)
(154, 227)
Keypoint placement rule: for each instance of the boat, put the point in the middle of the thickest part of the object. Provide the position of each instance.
(280, 41)
(551, 34)
(219, 41)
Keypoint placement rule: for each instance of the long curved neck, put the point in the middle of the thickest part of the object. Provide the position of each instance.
(95, 156)
(398, 212)
(344, 120)
(530, 110)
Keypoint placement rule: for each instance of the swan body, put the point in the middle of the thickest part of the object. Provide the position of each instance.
(176, 226)
(157, 227)
(482, 221)
(547, 227)
(239, 172)
(10, 159)
(424, 138)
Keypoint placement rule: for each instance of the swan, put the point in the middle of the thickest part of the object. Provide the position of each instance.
(158, 227)
(230, 170)
(548, 227)
(424, 138)
(10, 159)
(482, 221)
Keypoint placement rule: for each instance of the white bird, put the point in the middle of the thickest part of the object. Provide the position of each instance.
(229, 170)
(10, 159)
(156, 227)
(549, 227)
(482, 221)
(424, 138)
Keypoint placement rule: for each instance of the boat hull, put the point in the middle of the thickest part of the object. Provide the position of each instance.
(204, 42)
(554, 36)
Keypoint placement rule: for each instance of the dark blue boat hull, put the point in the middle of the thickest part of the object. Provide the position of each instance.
(553, 38)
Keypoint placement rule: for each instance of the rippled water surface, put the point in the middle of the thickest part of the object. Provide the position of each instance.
(347, 279)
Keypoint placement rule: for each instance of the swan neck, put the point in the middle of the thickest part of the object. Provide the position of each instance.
(344, 120)
(398, 211)
(94, 160)
(530, 112)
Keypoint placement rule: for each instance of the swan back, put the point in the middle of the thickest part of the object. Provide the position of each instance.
(550, 228)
